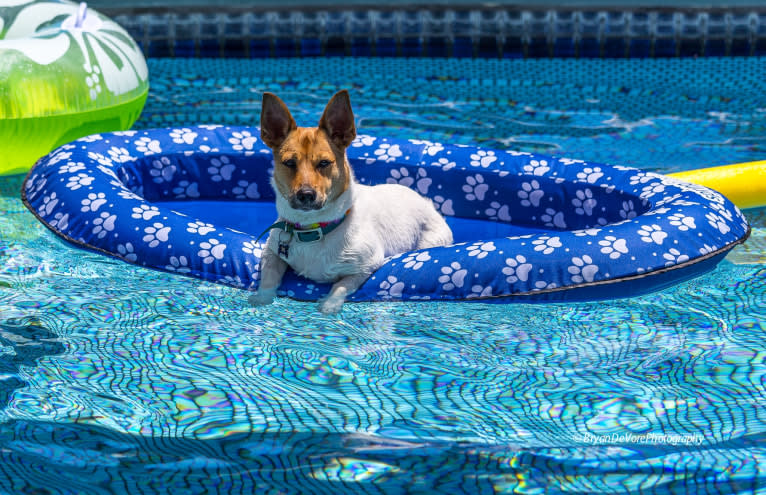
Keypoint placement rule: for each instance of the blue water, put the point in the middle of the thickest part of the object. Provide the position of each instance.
(115, 379)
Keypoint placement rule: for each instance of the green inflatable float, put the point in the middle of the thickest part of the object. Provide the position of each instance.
(65, 72)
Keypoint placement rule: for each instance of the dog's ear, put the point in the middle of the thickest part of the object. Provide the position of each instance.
(276, 121)
(338, 120)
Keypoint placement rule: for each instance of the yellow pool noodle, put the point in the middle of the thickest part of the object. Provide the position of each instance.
(743, 183)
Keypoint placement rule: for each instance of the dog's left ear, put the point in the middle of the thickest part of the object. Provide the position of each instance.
(338, 120)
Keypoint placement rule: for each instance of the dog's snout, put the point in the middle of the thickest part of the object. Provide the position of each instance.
(306, 195)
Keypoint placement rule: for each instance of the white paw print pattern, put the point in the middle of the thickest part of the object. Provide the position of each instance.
(156, 234)
(93, 80)
(628, 210)
(145, 212)
(200, 228)
(416, 260)
(682, 221)
(93, 202)
(431, 149)
(530, 193)
(162, 170)
(148, 146)
(516, 269)
(479, 291)
(363, 140)
(251, 247)
(706, 249)
(391, 288)
(183, 136)
(582, 269)
(613, 246)
(120, 155)
(103, 224)
(60, 221)
(674, 257)
(496, 211)
(59, 156)
(388, 153)
(537, 167)
(481, 249)
(584, 202)
(543, 285)
(402, 176)
(221, 169)
(444, 163)
(98, 157)
(91, 139)
(211, 250)
(125, 252)
(652, 233)
(553, 218)
(444, 206)
(547, 244)
(80, 180)
(241, 141)
(590, 174)
(716, 221)
(71, 167)
(652, 189)
(482, 158)
(641, 178)
(246, 190)
(452, 276)
(475, 188)
(185, 189)
(179, 264)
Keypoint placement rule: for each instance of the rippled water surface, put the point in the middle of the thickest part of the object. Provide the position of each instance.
(115, 379)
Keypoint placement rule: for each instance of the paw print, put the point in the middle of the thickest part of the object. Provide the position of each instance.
(553, 218)
(388, 153)
(582, 269)
(251, 247)
(205, 149)
(145, 212)
(431, 149)
(452, 276)
(402, 176)
(103, 224)
(120, 155)
(674, 257)
(543, 285)
(246, 190)
(59, 156)
(148, 146)
(718, 222)
(186, 189)
(241, 141)
(178, 264)
(155, 234)
(613, 246)
(496, 211)
(584, 202)
(547, 244)
(78, 181)
(443, 205)
(90, 139)
(183, 135)
(705, 249)
(479, 291)
(162, 170)
(363, 140)
(200, 228)
(651, 190)
(530, 193)
(126, 252)
(628, 210)
(445, 164)
(482, 158)
(475, 188)
(652, 233)
(210, 251)
(233, 281)
(586, 232)
(481, 249)
(590, 175)
(391, 288)
(641, 178)
(516, 269)
(93, 80)
(221, 169)
(416, 260)
(71, 167)
(682, 221)
(537, 167)
(98, 157)
(93, 202)
(60, 221)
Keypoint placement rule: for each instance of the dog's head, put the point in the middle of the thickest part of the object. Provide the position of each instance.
(310, 166)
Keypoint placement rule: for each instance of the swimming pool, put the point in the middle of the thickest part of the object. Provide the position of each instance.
(118, 379)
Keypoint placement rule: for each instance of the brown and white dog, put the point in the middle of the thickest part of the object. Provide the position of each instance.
(332, 229)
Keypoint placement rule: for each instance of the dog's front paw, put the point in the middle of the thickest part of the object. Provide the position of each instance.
(330, 305)
(262, 297)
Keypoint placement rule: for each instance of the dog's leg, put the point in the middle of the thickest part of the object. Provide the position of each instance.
(272, 269)
(332, 302)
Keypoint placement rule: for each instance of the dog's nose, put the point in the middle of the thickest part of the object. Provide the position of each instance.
(306, 195)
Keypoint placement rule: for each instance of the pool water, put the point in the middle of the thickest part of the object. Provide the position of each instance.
(116, 379)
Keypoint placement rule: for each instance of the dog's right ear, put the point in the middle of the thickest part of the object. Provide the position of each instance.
(276, 121)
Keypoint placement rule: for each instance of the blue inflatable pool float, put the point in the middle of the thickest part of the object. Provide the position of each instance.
(527, 228)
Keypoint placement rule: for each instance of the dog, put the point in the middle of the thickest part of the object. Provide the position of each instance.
(332, 229)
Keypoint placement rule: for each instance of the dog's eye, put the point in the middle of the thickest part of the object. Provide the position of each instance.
(324, 163)
(291, 163)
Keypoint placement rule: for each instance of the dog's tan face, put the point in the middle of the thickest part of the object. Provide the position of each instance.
(310, 165)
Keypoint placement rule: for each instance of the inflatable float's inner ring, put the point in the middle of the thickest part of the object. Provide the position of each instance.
(236, 208)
